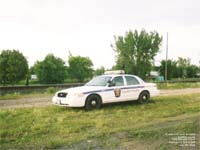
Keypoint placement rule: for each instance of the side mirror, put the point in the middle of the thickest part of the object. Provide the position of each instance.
(110, 84)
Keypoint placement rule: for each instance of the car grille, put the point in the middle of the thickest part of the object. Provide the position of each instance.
(62, 94)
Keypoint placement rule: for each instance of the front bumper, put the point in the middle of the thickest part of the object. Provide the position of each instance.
(57, 101)
(68, 102)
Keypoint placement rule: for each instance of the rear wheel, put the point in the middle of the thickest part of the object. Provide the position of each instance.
(144, 97)
(93, 102)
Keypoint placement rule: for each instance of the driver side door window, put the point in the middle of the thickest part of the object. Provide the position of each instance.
(118, 81)
(117, 85)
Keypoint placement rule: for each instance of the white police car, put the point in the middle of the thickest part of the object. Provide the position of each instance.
(113, 86)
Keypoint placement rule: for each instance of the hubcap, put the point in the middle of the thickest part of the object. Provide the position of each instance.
(93, 102)
(144, 97)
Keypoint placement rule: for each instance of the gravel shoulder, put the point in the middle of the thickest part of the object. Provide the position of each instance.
(170, 92)
(46, 101)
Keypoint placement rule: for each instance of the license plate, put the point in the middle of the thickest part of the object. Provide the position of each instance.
(58, 101)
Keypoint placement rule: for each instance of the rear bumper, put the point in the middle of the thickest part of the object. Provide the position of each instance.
(155, 93)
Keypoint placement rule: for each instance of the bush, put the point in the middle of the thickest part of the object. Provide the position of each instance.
(51, 90)
(51, 70)
(13, 67)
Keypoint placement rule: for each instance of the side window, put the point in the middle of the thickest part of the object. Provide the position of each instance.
(118, 81)
(131, 80)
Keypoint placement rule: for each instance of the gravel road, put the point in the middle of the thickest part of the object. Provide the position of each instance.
(46, 101)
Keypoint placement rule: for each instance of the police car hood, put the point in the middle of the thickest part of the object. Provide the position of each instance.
(83, 89)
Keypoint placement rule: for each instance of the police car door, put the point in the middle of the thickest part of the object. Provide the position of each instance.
(132, 88)
(117, 93)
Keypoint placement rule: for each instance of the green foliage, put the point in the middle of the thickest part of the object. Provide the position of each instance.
(136, 51)
(182, 68)
(192, 71)
(182, 64)
(51, 70)
(80, 68)
(32, 70)
(99, 71)
(51, 90)
(13, 67)
(171, 69)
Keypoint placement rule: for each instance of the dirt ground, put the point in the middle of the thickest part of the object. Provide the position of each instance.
(46, 101)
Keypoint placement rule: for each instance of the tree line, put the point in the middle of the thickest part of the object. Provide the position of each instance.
(135, 53)
(181, 68)
(52, 70)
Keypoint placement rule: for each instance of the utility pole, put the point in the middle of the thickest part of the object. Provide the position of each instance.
(166, 58)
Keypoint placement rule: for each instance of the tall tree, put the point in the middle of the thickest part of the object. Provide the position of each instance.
(192, 71)
(181, 68)
(136, 51)
(183, 64)
(80, 68)
(171, 71)
(13, 67)
(50, 70)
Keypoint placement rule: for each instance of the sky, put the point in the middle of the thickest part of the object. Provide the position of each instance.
(87, 27)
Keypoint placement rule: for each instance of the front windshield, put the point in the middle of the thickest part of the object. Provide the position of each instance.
(99, 81)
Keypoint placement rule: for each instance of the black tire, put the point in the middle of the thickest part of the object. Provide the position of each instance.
(93, 102)
(144, 97)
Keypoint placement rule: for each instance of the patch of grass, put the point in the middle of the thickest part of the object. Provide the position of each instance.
(51, 90)
(17, 95)
(74, 128)
(178, 85)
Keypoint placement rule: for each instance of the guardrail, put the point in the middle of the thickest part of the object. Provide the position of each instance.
(180, 81)
(20, 88)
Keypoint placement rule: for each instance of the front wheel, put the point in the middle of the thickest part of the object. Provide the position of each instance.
(144, 97)
(93, 101)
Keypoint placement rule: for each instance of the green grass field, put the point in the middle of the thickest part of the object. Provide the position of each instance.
(115, 126)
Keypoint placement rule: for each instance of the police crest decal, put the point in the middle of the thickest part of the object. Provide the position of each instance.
(117, 92)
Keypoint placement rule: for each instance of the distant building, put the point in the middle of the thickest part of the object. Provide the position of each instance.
(154, 74)
(198, 74)
(33, 77)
